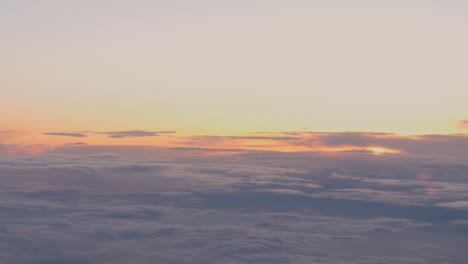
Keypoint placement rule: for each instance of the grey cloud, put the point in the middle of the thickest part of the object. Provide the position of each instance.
(6, 146)
(88, 204)
(450, 146)
(233, 150)
(113, 134)
(135, 133)
(76, 144)
(441, 146)
(438, 146)
(17, 150)
(350, 138)
(66, 134)
(456, 204)
(273, 138)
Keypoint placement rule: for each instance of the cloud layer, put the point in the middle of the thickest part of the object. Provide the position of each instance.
(89, 204)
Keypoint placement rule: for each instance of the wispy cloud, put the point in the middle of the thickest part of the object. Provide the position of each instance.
(66, 134)
(76, 144)
(135, 133)
(272, 138)
(112, 134)
(7, 134)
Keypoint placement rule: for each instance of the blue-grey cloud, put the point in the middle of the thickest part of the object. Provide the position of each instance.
(451, 146)
(135, 133)
(66, 134)
(112, 134)
(455, 204)
(90, 204)
(272, 138)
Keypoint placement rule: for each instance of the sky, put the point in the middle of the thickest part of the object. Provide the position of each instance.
(215, 131)
(234, 67)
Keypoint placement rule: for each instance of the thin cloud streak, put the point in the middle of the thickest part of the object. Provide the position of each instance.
(112, 134)
(273, 138)
(135, 133)
(66, 134)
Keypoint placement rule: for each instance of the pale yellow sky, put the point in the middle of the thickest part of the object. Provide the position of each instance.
(229, 67)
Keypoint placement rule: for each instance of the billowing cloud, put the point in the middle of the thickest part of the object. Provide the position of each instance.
(223, 200)
(135, 133)
(66, 134)
(92, 202)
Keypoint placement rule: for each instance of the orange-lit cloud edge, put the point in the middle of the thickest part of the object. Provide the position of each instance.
(15, 143)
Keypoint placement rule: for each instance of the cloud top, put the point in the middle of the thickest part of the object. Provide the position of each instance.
(257, 207)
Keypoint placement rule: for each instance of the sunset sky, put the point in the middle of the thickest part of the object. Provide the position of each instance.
(233, 131)
(231, 67)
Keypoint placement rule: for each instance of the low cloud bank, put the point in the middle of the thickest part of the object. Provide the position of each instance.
(106, 206)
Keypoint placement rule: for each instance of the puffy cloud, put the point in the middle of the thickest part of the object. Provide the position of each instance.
(110, 204)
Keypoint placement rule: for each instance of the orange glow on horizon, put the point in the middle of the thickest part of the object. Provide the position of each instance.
(382, 151)
(216, 145)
